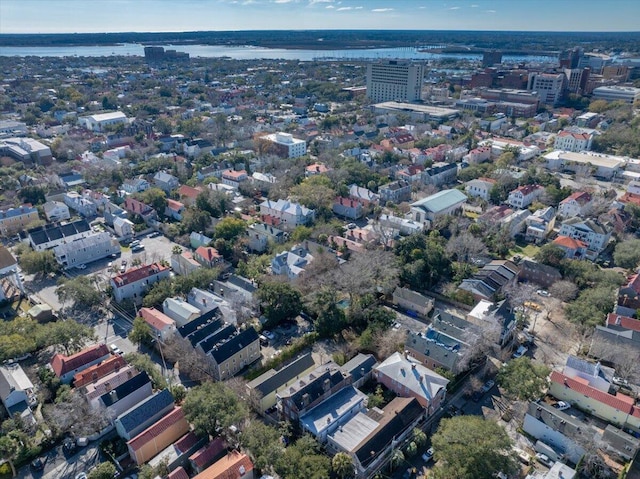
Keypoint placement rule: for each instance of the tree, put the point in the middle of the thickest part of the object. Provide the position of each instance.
(263, 443)
(302, 460)
(104, 470)
(550, 254)
(141, 332)
(591, 306)
(279, 301)
(471, 447)
(158, 293)
(143, 362)
(154, 197)
(34, 262)
(523, 378)
(9, 451)
(69, 335)
(564, 290)
(195, 220)
(212, 408)
(315, 192)
(342, 465)
(465, 246)
(330, 319)
(230, 228)
(32, 194)
(627, 254)
(80, 291)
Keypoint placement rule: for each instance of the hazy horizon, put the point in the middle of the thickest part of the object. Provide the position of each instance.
(148, 16)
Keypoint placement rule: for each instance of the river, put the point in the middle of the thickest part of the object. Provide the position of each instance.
(255, 53)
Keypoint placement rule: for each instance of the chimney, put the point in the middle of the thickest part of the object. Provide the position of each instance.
(326, 385)
(305, 399)
(107, 386)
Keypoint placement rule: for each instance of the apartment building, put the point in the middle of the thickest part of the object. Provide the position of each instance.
(626, 94)
(573, 141)
(133, 283)
(524, 195)
(549, 87)
(394, 80)
(285, 145)
(290, 214)
(86, 250)
(52, 235)
(15, 220)
(79, 203)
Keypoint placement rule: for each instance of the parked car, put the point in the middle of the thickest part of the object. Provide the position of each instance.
(619, 381)
(544, 293)
(69, 446)
(544, 459)
(428, 455)
(134, 243)
(82, 441)
(264, 341)
(562, 405)
(269, 335)
(155, 234)
(532, 305)
(487, 386)
(81, 475)
(521, 351)
(116, 350)
(38, 463)
(81, 266)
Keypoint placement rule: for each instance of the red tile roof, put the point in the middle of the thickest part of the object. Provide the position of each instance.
(156, 319)
(189, 191)
(233, 466)
(186, 442)
(570, 243)
(234, 175)
(98, 371)
(581, 197)
(205, 455)
(174, 205)
(632, 198)
(208, 253)
(528, 189)
(577, 136)
(62, 364)
(618, 401)
(179, 473)
(138, 274)
(153, 431)
(623, 322)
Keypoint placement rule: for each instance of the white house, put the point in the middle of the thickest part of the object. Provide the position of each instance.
(79, 203)
(540, 224)
(180, 311)
(165, 181)
(290, 214)
(480, 187)
(133, 283)
(86, 250)
(99, 121)
(16, 390)
(135, 185)
(285, 145)
(162, 326)
(234, 178)
(123, 227)
(292, 262)
(56, 211)
(575, 204)
(52, 235)
(594, 234)
(524, 195)
(573, 141)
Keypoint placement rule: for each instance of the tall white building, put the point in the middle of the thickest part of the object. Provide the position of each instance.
(392, 80)
(285, 145)
(548, 86)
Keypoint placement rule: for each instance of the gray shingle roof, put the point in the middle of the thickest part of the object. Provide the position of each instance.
(272, 380)
(142, 414)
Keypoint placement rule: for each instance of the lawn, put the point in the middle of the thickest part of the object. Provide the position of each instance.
(523, 250)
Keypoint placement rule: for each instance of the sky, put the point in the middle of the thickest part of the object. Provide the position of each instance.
(81, 16)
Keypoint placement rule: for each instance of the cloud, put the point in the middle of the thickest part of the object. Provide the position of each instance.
(382, 10)
(329, 6)
(342, 9)
(454, 8)
(474, 6)
(490, 11)
(358, 8)
(283, 1)
(313, 2)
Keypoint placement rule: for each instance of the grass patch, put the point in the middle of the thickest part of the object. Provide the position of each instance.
(529, 250)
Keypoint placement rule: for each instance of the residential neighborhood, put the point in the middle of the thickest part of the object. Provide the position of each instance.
(216, 267)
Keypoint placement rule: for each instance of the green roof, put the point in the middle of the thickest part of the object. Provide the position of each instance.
(440, 201)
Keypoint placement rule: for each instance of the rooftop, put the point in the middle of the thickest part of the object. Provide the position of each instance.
(138, 274)
(62, 364)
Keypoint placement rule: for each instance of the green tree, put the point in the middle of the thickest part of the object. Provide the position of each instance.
(523, 379)
(143, 362)
(158, 293)
(424, 259)
(342, 465)
(154, 197)
(471, 447)
(279, 301)
(80, 291)
(230, 228)
(315, 192)
(141, 332)
(301, 233)
(9, 451)
(69, 335)
(627, 254)
(330, 319)
(591, 306)
(263, 443)
(33, 194)
(104, 470)
(212, 408)
(195, 220)
(38, 262)
(302, 460)
(550, 254)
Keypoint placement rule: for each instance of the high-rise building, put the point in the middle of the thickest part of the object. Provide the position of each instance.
(491, 57)
(394, 80)
(549, 86)
(577, 79)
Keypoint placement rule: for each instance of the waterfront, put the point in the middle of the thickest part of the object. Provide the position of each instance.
(256, 53)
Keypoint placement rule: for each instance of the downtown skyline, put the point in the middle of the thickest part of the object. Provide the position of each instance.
(81, 16)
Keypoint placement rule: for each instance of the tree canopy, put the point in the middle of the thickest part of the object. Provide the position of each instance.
(212, 408)
(80, 291)
(523, 378)
(279, 301)
(471, 447)
(627, 253)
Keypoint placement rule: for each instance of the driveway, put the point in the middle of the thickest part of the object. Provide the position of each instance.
(57, 466)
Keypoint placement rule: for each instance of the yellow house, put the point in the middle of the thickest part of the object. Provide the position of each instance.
(617, 409)
(15, 220)
(267, 385)
(160, 435)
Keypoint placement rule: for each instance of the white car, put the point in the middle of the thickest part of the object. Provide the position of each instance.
(521, 351)
(562, 405)
(116, 350)
(544, 459)
(542, 292)
(428, 455)
(269, 335)
(488, 385)
(82, 266)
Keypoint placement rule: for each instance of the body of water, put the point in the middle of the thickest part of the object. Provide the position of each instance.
(255, 53)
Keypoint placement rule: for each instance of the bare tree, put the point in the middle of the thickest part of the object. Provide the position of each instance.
(75, 415)
(250, 396)
(466, 246)
(564, 290)
(625, 359)
(480, 343)
(191, 361)
(519, 293)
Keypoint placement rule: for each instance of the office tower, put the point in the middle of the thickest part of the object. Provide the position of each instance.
(391, 80)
